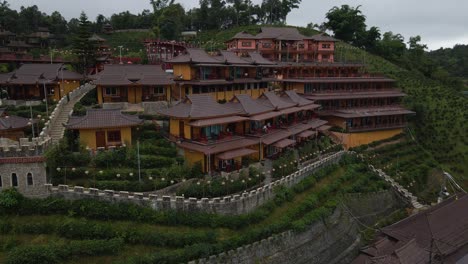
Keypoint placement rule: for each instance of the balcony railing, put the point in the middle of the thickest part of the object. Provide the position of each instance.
(375, 127)
(153, 98)
(216, 139)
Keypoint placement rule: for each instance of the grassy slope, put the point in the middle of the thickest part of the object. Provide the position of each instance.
(131, 40)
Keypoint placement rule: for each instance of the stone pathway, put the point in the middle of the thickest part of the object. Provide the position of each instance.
(57, 129)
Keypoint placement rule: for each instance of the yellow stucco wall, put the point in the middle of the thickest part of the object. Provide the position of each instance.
(99, 94)
(184, 70)
(191, 157)
(174, 127)
(65, 87)
(88, 136)
(356, 139)
(187, 130)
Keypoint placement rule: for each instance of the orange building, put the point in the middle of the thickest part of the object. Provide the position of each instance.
(32, 81)
(222, 75)
(220, 136)
(133, 84)
(104, 128)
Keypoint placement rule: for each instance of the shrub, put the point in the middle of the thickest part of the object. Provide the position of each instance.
(10, 200)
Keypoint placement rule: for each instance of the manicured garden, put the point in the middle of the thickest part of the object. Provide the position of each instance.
(54, 230)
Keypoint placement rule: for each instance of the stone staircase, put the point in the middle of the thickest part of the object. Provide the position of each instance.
(63, 112)
(396, 186)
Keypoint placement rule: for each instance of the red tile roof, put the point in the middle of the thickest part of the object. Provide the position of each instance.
(284, 143)
(443, 227)
(365, 112)
(244, 35)
(354, 95)
(13, 122)
(218, 121)
(103, 118)
(32, 74)
(293, 97)
(218, 147)
(133, 74)
(322, 37)
(199, 106)
(247, 105)
(280, 33)
(338, 80)
(236, 153)
(270, 99)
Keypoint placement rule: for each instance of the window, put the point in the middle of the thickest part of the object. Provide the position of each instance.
(301, 46)
(29, 178)
(326, 46)
(50, 91)
(267, 45)
(158, 90)
(14, 180)
(246, 43)
(112, 91)
(113, 136)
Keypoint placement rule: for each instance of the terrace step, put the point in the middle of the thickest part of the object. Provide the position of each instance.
(57, 130)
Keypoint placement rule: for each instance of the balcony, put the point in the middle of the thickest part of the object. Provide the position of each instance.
(215, 139)
(153, 98)
(376, 127)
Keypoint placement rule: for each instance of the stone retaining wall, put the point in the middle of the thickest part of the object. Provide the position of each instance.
(335, 240)
(229, 205)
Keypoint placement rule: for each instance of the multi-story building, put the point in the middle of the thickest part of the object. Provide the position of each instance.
(133, 84)
(366, 107)
(220, 136)
(284, 44)
(222, 75)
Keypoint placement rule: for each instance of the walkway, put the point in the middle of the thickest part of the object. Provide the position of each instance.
(63, 111)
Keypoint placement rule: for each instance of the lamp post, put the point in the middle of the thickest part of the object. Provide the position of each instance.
(32, 120)
(65, 172)
(120, 54)
(45, 99)
(87, 172)
(139, 161)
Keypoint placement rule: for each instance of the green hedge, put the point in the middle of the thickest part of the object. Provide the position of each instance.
(58, 253)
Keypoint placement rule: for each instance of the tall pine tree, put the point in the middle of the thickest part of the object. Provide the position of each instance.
(83, 47)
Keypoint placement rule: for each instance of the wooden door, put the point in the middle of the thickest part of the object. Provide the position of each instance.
(181, 129)
(100, 139)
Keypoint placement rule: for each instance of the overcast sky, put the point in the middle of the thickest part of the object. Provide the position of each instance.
(440, 23)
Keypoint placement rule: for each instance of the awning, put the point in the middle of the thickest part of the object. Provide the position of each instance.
(324, 128)
(309, 107)
(284, 143)
(290, 110)
(236, 153)
(306, 134)
(218, 121)
(276, 136)
(265, 116)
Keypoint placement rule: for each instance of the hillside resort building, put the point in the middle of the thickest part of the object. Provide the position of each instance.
(265, 93)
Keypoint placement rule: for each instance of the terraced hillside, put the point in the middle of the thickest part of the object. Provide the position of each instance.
(88, 231)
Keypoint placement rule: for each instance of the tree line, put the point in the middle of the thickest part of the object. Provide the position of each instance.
(349, 25)
(167, 19)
